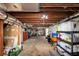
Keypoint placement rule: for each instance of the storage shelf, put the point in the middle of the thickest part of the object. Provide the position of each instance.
(64, 49)
(65, 41)
(74, 43)
(74, 53)
(59, 52)
(69, 32)
(64, 32)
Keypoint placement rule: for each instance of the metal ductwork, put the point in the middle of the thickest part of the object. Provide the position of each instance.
(20, 7)
(3, 15)
(8, 19)
(3, 6)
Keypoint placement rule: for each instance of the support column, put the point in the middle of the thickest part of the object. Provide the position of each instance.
(1, 37)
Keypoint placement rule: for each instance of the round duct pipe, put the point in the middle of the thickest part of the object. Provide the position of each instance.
(9, 19)
(3, 15)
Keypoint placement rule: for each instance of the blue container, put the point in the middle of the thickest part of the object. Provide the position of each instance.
(54, 34)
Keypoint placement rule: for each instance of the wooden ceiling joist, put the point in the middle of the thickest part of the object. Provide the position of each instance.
(32, 18)
(55, 11)
(59, 9)
(59, 5)
(39, 15)
(39, 20)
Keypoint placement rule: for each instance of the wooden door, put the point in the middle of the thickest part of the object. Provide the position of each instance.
(25, 36)
(1, 37)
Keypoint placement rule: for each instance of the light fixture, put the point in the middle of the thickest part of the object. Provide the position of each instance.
(44, 16)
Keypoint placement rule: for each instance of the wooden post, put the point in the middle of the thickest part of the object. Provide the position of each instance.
(1, 37)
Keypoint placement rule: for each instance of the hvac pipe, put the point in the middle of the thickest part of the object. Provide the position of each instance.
(3, 15)
(9, 19)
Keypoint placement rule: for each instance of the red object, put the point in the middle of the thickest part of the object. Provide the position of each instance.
(25, 36)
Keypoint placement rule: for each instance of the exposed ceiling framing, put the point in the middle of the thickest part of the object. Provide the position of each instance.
(55, 11)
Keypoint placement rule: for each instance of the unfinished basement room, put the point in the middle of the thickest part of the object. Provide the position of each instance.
(39, 29)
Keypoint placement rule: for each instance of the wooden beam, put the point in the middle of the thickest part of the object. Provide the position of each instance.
(53, 17)
(39, 21)
(39, 15)
(73, 9)
(33, 19)
(59, 5)
(49, 16)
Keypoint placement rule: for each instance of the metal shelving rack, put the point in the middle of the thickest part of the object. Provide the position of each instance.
(70, 43)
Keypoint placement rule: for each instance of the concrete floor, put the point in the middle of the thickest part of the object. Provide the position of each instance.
(38, 46)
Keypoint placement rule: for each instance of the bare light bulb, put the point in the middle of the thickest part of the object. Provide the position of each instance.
(44, 17)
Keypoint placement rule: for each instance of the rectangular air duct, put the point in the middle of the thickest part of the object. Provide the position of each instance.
(21, 7)
(30, 7)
